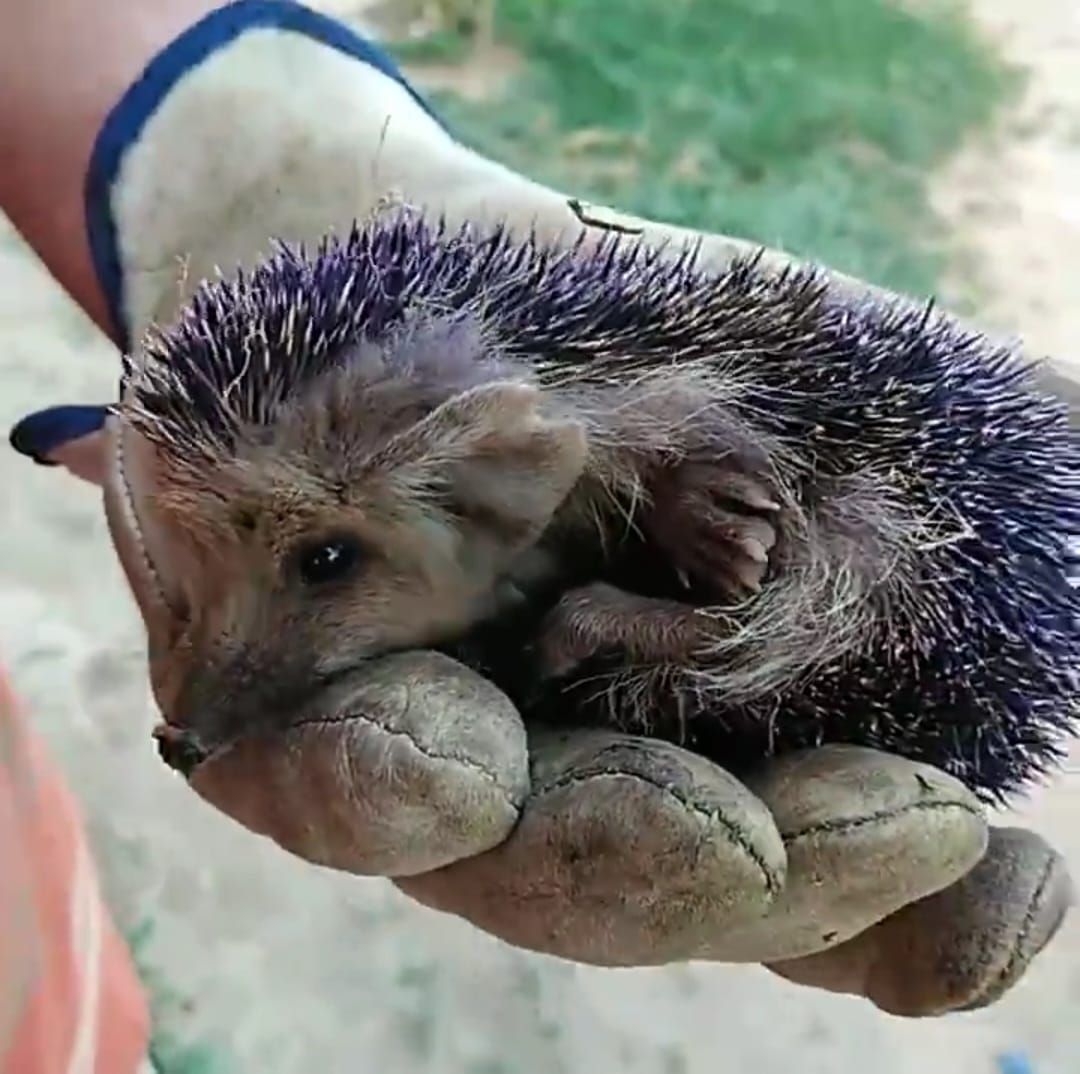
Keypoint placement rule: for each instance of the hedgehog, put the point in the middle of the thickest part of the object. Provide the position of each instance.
(725, 507)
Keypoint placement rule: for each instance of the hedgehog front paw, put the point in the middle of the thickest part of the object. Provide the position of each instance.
(717, 523)
(600, 619)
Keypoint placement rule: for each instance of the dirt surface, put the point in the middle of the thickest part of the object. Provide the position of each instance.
(303, 970)
(1015, 196)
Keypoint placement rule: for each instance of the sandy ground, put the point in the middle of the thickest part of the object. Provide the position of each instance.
(1015, 196)
(298, 969)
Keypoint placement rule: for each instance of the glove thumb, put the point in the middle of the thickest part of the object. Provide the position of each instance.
(67, 436)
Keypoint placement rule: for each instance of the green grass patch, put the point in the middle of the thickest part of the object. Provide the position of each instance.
(810, 125)
(439, 46)
(170, 1053)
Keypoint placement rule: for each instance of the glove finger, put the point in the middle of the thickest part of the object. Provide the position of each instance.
(865, 834)
(409, 766)
(628, 851)
(961, 948)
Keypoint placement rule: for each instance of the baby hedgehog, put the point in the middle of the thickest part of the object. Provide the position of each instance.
(722, 507)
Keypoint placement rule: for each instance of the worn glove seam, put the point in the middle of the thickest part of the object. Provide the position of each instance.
(830, 827)
(132, 519)
(483, 770)
(1016, 953)
(738, 837)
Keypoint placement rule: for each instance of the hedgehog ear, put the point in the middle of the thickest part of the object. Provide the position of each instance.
(490, 459)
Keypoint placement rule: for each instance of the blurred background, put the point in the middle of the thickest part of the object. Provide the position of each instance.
(930, 146)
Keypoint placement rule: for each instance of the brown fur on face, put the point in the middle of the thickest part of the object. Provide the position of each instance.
(436, 504)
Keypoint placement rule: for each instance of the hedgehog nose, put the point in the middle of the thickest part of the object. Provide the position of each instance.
(180, 750)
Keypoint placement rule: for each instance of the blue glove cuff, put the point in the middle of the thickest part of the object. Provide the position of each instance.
(195, 45)
(38, 435)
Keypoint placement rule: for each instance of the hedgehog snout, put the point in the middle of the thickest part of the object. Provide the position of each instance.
(181, 750)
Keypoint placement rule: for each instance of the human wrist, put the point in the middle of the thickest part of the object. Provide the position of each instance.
(63, 64)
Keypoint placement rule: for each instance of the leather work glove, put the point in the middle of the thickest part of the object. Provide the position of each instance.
(841, 868)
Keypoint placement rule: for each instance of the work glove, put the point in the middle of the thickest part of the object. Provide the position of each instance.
(840, 867)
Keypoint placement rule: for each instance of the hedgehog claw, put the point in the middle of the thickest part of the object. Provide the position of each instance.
(716, 522)
(754, 549)
(731, 553)
(748, 491)
(742, 579)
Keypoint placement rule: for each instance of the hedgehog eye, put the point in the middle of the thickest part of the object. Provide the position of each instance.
(328, 560)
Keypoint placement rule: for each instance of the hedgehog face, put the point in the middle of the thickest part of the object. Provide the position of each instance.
(353, 524)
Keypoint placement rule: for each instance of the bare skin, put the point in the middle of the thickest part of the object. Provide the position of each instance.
(48, 124)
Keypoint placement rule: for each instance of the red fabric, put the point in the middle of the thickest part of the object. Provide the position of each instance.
(70, 1000)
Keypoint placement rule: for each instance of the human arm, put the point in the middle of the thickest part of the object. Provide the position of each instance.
(55, 101)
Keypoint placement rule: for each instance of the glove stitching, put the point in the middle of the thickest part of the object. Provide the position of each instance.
(769, 876)
(484, 770)
(1000, 980)
(132, 519)
(830, 827)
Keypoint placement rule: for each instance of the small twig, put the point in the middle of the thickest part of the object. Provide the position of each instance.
(577, 207)
(375, 161)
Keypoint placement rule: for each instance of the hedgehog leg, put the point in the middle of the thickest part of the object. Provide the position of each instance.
(602, 619)
(716, 522)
